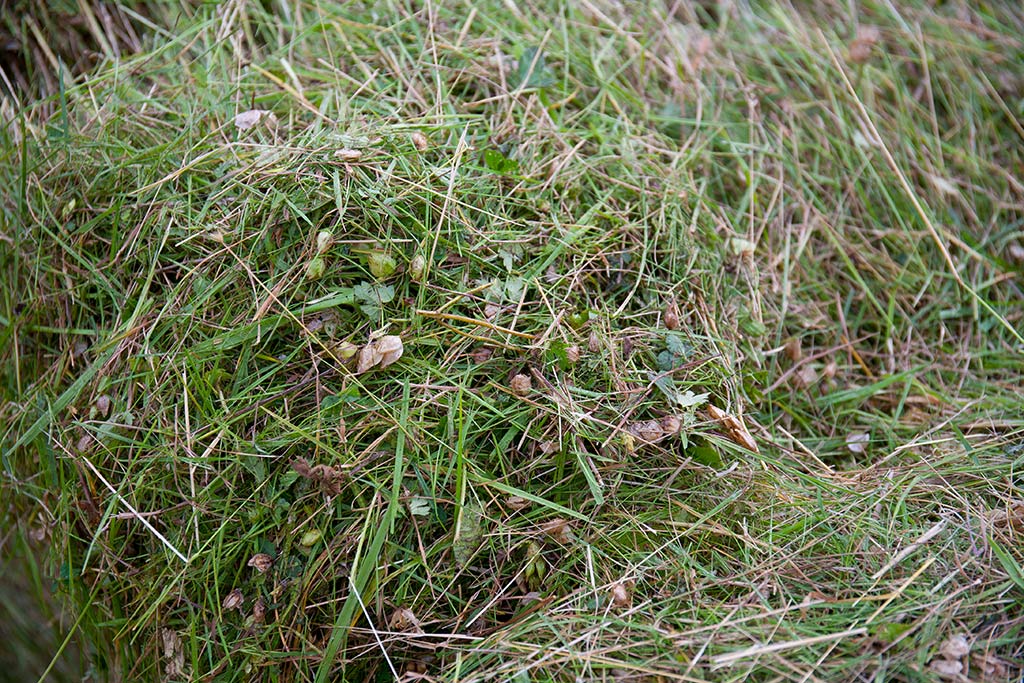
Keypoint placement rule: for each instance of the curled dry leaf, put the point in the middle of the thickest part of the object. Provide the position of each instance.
(420, 141)
(946, 668)
(248, 119)
(671, 316)
(390, 349)
(261, 562)
(572, 354)
(521, 385)
(559, 530)
(807, 376)
(329, 478)
(417, 267)
(621, 594)
(830, 370)
(403, 619)
(234, 600)
(324, 240)
(863, 43)
(380, 353)
(103, 406)
(857, 442)
(517, 502)
(349, 154)
(955, 647)
(734, 428)
(259, 611)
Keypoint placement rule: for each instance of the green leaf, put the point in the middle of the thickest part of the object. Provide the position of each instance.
(677, 346)
(470, 533)
(419, 506)
(499, 163)
(373, 297)
(557, 352)
(532, 71)
(705, 454)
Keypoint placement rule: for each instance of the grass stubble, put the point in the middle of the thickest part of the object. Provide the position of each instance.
(591, 227)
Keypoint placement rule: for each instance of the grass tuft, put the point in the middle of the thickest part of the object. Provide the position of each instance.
(709, 323)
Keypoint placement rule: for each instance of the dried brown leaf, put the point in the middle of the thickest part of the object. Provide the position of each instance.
(521, 385)
(807, 376)
(734, 428)
(390, 349)
(559, 530)
(379, 353)
(955, 647)
(671, 316)
(261, 562)
(249, 119)
(863, 43)
(857, 442)
(621, 594)
(946, 668)
(234, 600)
(349, 154)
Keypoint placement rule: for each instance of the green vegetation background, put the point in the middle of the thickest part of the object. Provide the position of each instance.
(710, 319)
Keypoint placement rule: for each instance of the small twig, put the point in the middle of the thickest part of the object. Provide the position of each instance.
(757, 650)
(473, 321)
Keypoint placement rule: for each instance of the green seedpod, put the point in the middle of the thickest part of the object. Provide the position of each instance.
(382, 264)
(310, 538)
(316, 267)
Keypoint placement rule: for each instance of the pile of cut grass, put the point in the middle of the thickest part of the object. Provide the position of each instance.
(711, 326)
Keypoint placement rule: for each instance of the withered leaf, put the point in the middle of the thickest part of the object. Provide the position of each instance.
(329, 478)
(380, 353)
(734, 428)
